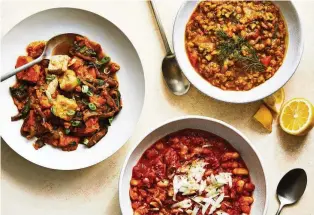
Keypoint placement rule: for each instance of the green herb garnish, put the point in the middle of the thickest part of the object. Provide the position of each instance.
(232, 48)
(103, 61)
(50, 77)
(92, 106)
(110, 120)
(75, 123)
(100, 82)
(89, 93)
(53, 110)
(85, 89)
(67, 131)
(26, 108)
(87, 51)
(70, 112)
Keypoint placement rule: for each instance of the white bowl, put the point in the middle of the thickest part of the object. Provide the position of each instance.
(285, 72)
(44, 25)
(222, 129)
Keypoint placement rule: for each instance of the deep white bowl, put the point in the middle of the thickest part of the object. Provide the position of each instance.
(222, 129)
(285, 72)
(43, 26)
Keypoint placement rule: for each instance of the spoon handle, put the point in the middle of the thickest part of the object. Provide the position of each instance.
(161, 29)
(279, 209)
(21, 68)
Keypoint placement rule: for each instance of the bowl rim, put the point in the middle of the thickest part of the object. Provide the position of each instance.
(124, 34)
(187, 71)
(127, 158)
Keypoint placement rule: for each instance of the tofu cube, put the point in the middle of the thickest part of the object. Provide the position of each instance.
(58, 64)
(68, 81)
(63, 106)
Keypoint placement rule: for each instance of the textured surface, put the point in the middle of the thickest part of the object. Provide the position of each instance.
(30, 189)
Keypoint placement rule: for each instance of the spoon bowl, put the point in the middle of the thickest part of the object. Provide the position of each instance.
(173, 76)
(291, 187)
(57, 45)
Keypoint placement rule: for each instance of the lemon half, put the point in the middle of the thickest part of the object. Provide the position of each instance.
(297, 117)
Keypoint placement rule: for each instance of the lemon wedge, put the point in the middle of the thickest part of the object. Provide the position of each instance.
(275, 100)
(297, 117)
(264, 116)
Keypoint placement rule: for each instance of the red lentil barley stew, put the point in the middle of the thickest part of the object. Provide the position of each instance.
(191, 172)
(69, 99)
(236, 45)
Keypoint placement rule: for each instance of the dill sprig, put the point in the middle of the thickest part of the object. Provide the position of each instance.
(232, 47)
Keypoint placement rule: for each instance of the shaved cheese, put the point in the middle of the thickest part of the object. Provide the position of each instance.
(183, 204)
(216, 203)
(205, 207)
(198, 199)
(190, 181)
(202, 187)
(177, 183)
(224, 178)
(195, 210)
(197, 170)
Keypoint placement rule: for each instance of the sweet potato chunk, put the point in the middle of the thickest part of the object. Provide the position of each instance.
(31, 74)
(66, 141)
(35, 49)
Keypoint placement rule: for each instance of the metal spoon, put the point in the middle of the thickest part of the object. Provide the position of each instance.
(171, 71)
(56, 45)
(291, 187)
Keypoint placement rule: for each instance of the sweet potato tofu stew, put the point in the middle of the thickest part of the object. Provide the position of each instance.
(191, 172)
(236, 45)
(69, 99)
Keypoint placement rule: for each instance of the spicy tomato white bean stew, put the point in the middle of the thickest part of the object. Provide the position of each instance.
(236, 45)
(191, 172)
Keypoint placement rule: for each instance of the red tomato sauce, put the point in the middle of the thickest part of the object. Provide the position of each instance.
(151, 190)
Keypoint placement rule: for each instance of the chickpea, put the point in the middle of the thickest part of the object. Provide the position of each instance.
(268, 42)
(163, 183)
(135, 182)
(238, 9)
(240, 171)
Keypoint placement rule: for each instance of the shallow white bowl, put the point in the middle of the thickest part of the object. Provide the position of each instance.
(222, 129)
(44, 25)
(285, 72)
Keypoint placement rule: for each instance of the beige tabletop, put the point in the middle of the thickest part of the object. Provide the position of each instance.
(31, 189)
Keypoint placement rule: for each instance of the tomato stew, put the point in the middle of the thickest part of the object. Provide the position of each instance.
(236, 45)
(191, 172)
(67, 100)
